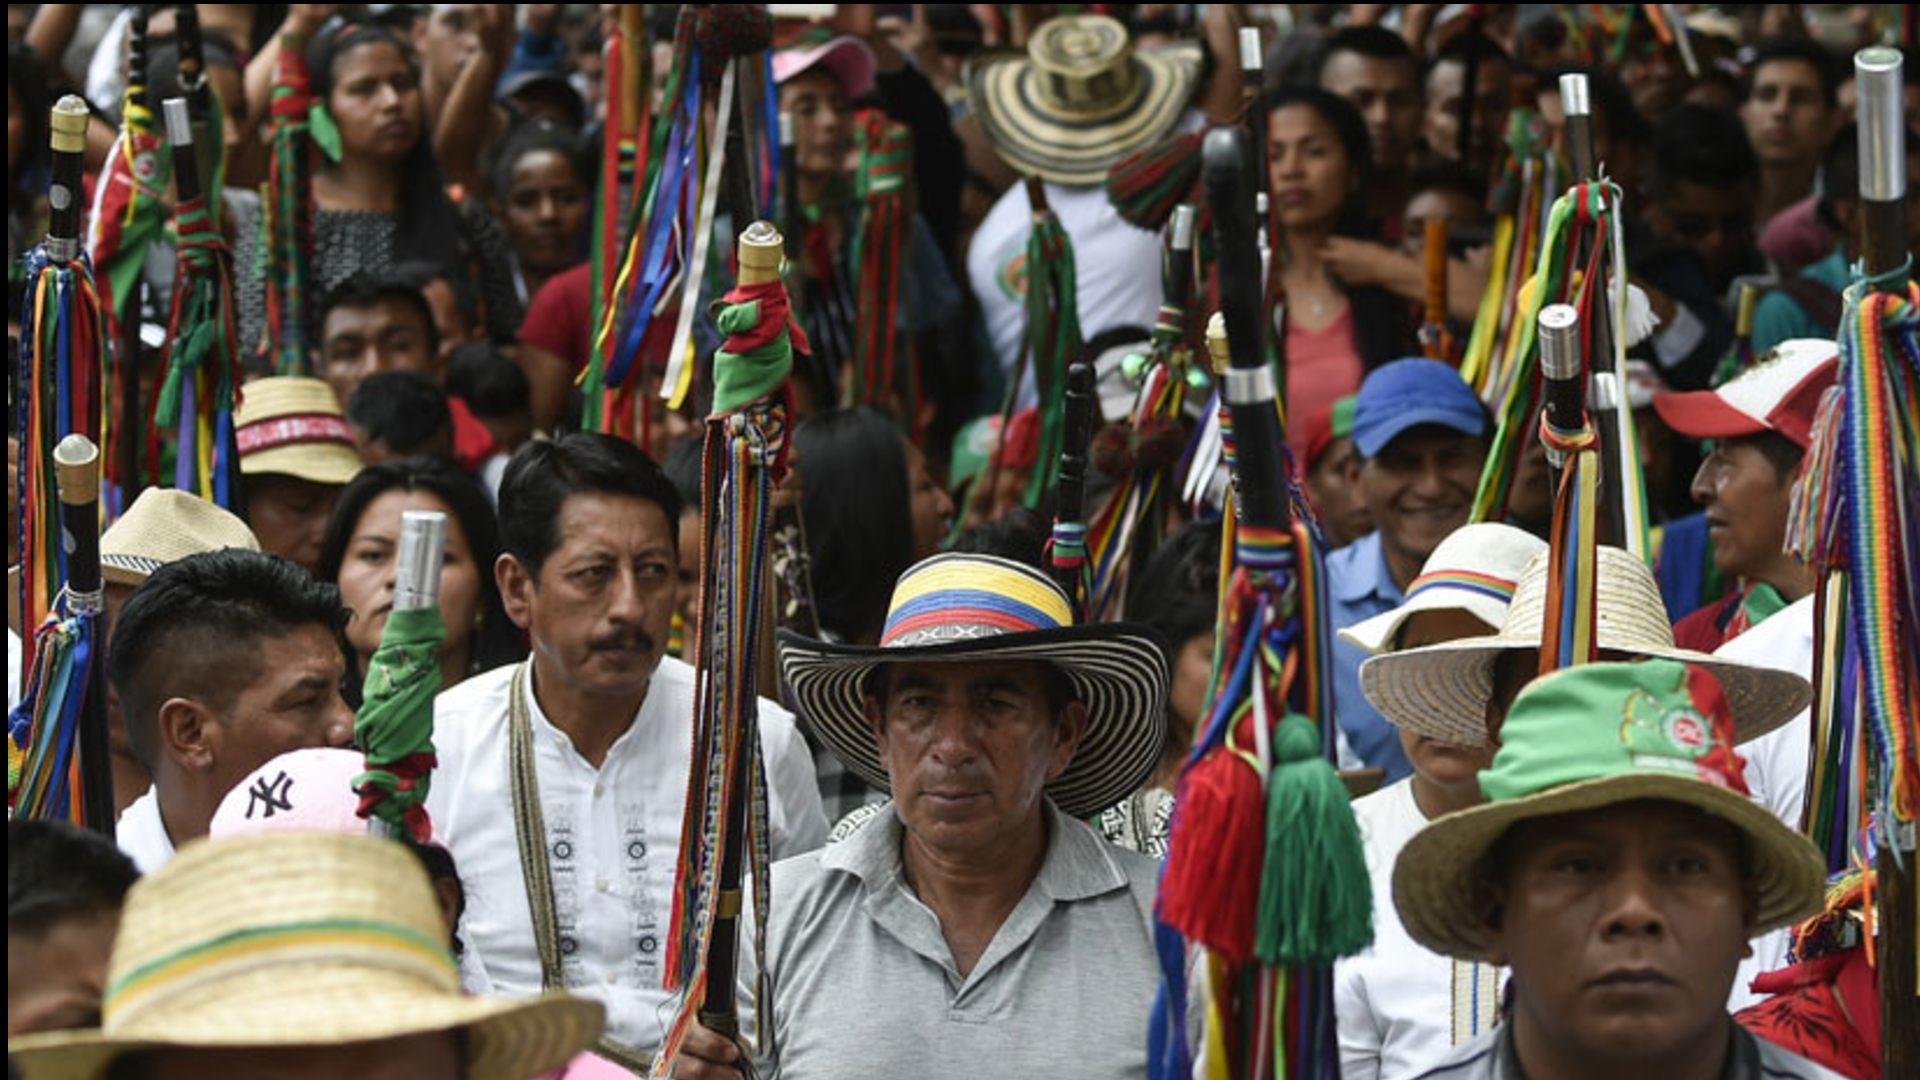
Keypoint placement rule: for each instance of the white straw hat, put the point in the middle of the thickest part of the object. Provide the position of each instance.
(291, 940)
(164, 525)
(1441, 691)
(1474, 570)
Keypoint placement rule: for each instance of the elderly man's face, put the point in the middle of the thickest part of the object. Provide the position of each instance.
(1623, 926)
(969, 747)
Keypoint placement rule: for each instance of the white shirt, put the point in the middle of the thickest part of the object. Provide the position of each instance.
(1777, 761)
(1394, 1003)
(613, 840)
(142, 835)
(1116, 267)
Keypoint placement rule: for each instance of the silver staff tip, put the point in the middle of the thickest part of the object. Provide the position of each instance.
(179, 125)
(423, 539)
(1184, 216)
(1574, 96)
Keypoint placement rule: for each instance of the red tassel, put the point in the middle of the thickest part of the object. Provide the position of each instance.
(1210, 890)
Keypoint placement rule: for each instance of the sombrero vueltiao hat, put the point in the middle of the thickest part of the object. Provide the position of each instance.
(162, 526)
(1080, 98)
(1588, 737)
(959, 608)
(1475, 569)
(1441, 691)
(292, 426)
(288, 940)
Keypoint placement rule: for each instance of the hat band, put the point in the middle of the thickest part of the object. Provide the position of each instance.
(1488, 585)
(335, 942)
(959, 614)
(278, 431)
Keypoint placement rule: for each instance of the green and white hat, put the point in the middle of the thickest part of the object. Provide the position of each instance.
(1588, 737)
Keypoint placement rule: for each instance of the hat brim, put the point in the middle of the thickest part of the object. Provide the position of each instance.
(1377, 633)
(1434, 877)
(506, 1040)
(1038, 139)
(1441, 691)
(322, 463)
(1119, 671)
(127, 569)
(847, 58)
(1703, 414)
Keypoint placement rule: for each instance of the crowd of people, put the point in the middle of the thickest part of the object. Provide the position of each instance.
(970, 785)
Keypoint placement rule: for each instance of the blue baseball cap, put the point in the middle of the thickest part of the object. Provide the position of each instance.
(1408, 393)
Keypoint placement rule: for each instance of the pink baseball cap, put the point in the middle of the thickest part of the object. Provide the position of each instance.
(300, 791)
(849, 58)
(1781, 394)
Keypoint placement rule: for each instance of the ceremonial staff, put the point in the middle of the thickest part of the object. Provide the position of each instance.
(1577, 105)
(394, 726)
(200, 105)
(77, 461)
(1067, 551)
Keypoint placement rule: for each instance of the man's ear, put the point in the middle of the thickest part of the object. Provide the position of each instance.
(189, 734)
(1067, 735)
(516, 589)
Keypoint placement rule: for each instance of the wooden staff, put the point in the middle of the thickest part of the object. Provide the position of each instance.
(64, 197)
(1067, 555)
(1577, 104)
(1883, 234)
(193, 77)
(1563, 388)
(1248, 384)
(76, 463)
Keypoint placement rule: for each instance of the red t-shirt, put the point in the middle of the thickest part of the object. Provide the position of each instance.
(1322, 367)
(560, 319)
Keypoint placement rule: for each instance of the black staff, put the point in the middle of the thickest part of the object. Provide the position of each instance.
(1067, 556)
(1565, 392)
(193, 76)
(76, 463)
(1577, 104)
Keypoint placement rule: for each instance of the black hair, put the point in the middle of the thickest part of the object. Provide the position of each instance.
(1781, 452)
(1612, 103)
(544, 473)
(1471, 46)
(369, 288)
(1839, 177)
(421, 273)
(858, 514)
(498, 641)
(57, 871)
(192, 630)
(403, 409)
(491, 384)
(1700, 145)
(1806, 51)
(1372, 42)
(426, 220)
(1178, 593)
(27, 78)
(534, 135)
(1451, 177)
(684, 464)
(163, 63)
(1019, 535)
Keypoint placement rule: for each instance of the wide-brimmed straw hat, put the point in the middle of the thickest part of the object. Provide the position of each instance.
(1441, 691)
(960, 608)
(298, 940)
(1593, 736)
(293, 426)
(163, 525)
(1080, 99)
(1475, 569)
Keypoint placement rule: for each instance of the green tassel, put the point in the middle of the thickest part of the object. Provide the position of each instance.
(1316, 901)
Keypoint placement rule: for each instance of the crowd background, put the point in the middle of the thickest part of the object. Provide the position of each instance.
(456, 328)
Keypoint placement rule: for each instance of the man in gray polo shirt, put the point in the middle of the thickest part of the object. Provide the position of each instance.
(981, 928)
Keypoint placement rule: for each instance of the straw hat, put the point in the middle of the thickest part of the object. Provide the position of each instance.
(1080, 99)
(1474, 570)
(1441, 691)
(298, 940)
(163, 525)
(1593, 736)
(294, 427)
(959, 608)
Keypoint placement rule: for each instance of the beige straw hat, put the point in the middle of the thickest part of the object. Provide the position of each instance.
(1441, 691)
(1593, 736)
(163, 525)
(1475, 570)
(293, 426)
(300, 939)
(1080, 99)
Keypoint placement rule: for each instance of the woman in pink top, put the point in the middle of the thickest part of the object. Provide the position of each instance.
(1319, 165)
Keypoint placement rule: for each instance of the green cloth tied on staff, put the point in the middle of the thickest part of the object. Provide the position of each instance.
(395, 724)
(758, 353)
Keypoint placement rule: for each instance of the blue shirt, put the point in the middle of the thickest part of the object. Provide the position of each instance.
(1361, 587)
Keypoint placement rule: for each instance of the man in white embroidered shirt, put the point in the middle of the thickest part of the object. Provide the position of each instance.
(562, 779)
(979, 928)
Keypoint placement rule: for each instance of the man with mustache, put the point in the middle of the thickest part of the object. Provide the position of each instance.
(562, 780)
(966, 929)
(1421, 435)
(1618, 869)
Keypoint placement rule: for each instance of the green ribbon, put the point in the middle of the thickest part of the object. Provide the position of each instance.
(396, 714)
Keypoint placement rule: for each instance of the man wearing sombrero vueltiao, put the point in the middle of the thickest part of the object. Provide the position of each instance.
(1618, 869)
(981, 928)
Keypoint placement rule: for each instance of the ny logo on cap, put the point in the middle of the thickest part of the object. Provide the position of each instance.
(270, 795)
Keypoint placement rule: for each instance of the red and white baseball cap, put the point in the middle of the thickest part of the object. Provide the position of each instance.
(1781, 394)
